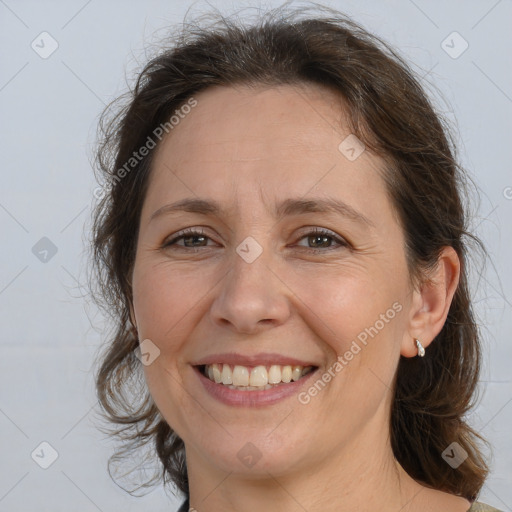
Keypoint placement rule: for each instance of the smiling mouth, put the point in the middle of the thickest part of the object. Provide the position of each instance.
(254, 378)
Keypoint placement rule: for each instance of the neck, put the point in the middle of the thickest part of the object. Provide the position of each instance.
(358, 477)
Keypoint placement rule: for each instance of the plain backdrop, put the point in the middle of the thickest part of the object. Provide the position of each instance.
(49, 107)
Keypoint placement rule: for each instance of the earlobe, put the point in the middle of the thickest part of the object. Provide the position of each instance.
(431, 303)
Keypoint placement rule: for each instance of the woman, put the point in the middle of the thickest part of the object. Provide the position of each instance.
(282, 240)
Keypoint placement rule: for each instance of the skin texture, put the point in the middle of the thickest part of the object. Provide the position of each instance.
(249, 149)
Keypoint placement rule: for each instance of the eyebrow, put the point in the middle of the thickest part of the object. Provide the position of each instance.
(286, 208)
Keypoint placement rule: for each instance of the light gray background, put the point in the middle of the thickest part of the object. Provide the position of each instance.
(48, 111)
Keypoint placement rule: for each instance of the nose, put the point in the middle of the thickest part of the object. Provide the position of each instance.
(252, 297)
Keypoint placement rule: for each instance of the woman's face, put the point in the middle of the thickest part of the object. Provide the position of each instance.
(258, 289)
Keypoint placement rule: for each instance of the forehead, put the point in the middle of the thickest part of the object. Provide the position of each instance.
(265, 142)
(264, 122)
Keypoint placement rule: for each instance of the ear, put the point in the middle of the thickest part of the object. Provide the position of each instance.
(431, 303)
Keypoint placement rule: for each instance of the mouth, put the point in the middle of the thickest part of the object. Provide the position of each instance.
(254, 378)
(253, 385)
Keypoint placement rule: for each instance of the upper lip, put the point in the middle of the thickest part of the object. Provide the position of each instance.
(262, 359)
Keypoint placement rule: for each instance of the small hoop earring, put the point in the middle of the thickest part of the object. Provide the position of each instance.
(421, 350)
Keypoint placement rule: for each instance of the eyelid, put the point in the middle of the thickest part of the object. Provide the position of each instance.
(314, 230)
(192, 231)
(304, 232)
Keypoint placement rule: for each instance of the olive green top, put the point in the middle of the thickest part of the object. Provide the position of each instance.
(482, 507)
(476, 507)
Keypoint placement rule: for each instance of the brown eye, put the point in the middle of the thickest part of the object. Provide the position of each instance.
(319, 239)
(192, 239)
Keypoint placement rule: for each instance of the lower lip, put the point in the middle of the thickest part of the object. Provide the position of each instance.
(236, 397)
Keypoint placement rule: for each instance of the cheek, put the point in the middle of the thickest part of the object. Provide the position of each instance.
(339, 303)
(165, 298)
(359, 316)
(167, 301)
(347, 303)
(356, 318)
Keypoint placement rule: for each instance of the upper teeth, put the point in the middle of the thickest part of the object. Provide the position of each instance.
(257, 376)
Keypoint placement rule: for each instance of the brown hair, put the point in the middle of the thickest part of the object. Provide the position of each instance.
(392, 115)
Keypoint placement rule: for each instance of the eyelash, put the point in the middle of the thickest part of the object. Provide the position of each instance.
(314, 232)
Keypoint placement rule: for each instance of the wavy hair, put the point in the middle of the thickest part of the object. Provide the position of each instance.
(392, 114)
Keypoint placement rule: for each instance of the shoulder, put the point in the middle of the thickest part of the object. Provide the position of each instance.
(476, 507)
(482, 507)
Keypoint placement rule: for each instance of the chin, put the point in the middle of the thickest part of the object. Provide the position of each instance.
(252, 451)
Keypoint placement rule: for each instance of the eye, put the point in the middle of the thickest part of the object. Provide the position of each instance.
(320, 238)
(192, 238)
